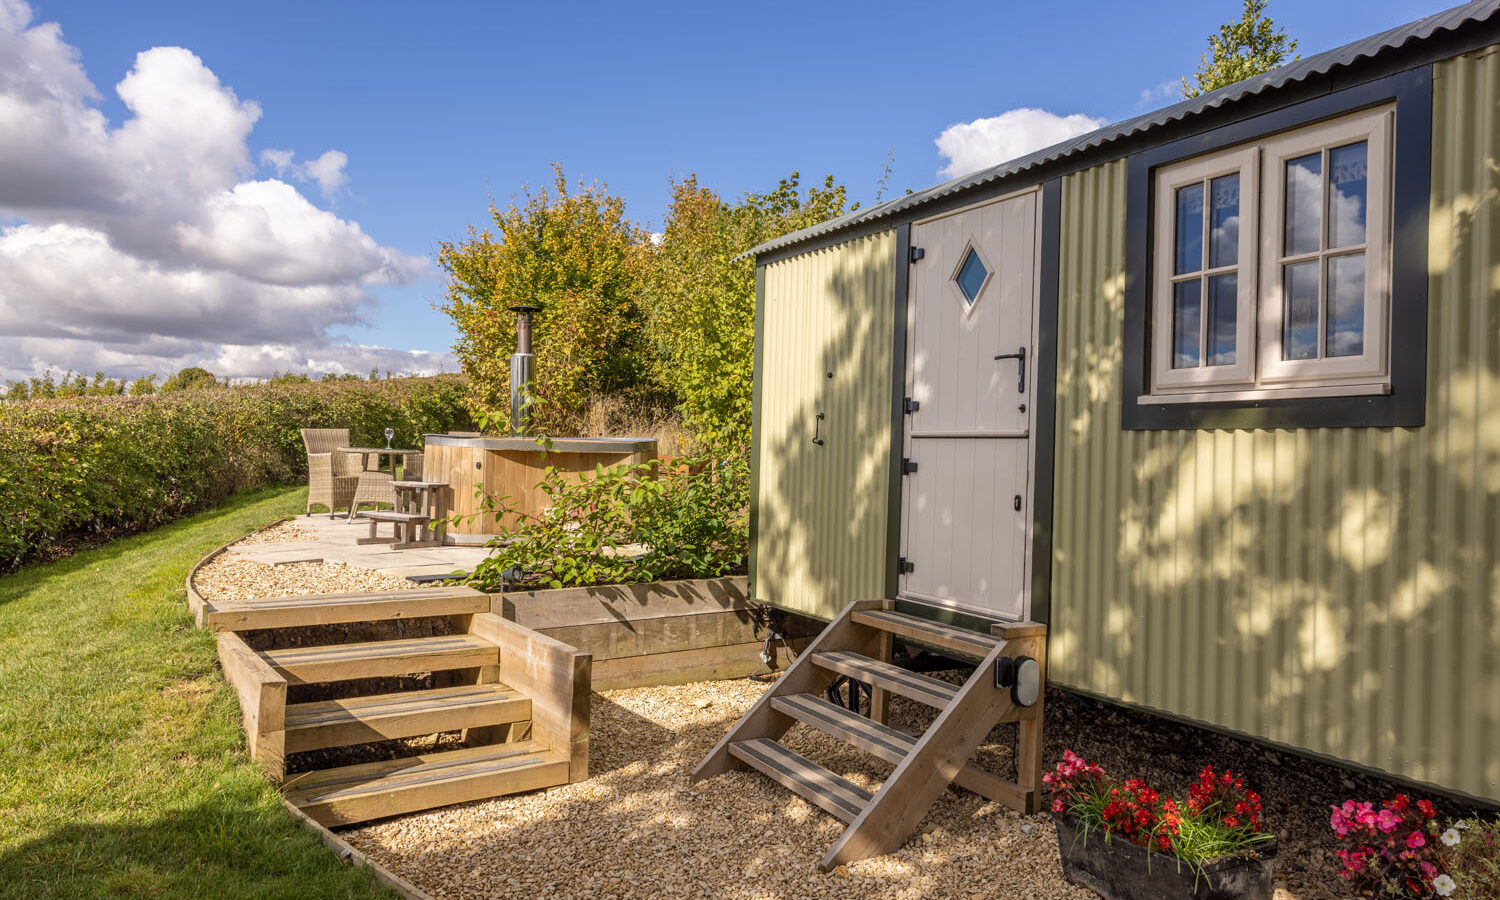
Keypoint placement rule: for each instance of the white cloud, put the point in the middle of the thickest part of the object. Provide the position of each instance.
(327, 170)
(1166, 92)
(971, 146)
(147, 245)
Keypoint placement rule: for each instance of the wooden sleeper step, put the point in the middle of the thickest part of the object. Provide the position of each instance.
(337, 609)
(914, 686)
(378, 659)
(359, 720)
(351, 794)
(926, 631)
(807, 779)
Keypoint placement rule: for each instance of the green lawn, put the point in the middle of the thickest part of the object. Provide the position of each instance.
(122, 763)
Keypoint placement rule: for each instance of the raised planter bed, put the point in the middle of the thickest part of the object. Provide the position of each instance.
(661, 633)
(1120, 870)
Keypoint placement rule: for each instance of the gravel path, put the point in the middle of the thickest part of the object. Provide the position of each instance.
(636, 828)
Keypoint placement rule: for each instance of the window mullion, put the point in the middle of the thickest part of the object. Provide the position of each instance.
(1203, 259)
(1324, 241)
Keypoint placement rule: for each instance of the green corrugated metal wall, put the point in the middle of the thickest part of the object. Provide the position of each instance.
(822, 511)
(1336, 590)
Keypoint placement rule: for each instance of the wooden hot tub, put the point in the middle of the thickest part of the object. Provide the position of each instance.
(511, 467)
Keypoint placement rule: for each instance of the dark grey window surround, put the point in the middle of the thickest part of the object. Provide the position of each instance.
(1405, 405)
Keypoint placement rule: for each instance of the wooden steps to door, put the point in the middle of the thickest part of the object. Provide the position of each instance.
(379, 659)
(520, 698)
(339, 609)
(853, 645)
(360, 720)
(358, 793)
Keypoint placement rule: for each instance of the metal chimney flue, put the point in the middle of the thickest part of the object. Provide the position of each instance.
(520, 370)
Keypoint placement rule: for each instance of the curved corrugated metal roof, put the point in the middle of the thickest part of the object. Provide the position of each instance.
(1447, 21)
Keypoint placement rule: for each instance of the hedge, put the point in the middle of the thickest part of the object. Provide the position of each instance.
(125, 463)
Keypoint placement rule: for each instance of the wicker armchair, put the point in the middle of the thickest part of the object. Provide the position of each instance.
(325, 486)
(375, 486)
(331, 480)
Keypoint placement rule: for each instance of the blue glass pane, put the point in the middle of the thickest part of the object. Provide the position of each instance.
(1346, 305)
(1304, 205)
(1186, 320)
(1189, 252)
(1299, 328)
(1223, 306)
(971, 276)
(1224, 222)
(1348, 168)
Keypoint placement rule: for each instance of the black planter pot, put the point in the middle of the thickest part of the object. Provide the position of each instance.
(1121, 870)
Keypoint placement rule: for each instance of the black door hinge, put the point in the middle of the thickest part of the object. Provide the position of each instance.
(911, 406)
(917, 253)
(908, 466)
(905, 566)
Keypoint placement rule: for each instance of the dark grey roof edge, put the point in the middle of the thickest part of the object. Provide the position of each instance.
(1449, 20)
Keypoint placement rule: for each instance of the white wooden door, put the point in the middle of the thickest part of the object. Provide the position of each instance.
(967, 506)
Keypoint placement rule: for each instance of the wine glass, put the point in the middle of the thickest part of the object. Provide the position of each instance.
(389, 434)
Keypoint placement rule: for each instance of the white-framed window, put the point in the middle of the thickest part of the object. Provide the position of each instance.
(1271, 274)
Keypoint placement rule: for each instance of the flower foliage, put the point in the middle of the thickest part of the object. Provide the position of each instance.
(1394, 851)
(116, 464)
(1220, 818)
(626, 524)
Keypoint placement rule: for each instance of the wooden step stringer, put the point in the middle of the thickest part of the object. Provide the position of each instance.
(937, 759)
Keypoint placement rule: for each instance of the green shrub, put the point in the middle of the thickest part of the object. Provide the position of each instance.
(688, 516)
(125, 463)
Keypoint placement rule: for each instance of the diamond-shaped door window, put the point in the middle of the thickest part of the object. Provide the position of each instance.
(971, 276)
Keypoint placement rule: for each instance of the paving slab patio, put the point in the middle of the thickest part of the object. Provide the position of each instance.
(336, 540)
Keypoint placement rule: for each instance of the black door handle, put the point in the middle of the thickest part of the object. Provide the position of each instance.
(817, 426)
(1019, 356)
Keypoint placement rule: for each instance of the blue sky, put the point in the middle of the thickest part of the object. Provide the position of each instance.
(437, 108)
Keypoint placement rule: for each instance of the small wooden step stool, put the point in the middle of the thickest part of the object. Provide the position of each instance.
(410, 529)
(858, 644)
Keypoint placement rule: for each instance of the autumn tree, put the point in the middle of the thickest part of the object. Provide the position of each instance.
(700, 299)
(193, 378)
(1241, 50)
(571, 251)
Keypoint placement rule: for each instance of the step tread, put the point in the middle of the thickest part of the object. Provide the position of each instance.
(358, 720)
(372, 659)
(357, 793)
(829, 792)
(895, 679)
(419, 484)
(874, 738)
(332, 609)
(927, 631)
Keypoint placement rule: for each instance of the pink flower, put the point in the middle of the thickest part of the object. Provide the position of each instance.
(1415, 840)
(1387, 821)
(1429, 871)
(1057, 806)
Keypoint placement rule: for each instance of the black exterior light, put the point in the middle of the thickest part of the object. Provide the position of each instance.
(1023, 675)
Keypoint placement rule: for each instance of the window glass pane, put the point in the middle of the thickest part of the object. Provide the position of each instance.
(1224, 222)
(971, 276)
(1304, 204)
(1347, 169)
(1346, 305)
(1223, 297)
(1299, 329)
(1189, 256)
(1186, 308)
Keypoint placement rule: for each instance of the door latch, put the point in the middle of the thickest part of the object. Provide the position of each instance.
(817, 427)
(1019, 356)
(1018, 503)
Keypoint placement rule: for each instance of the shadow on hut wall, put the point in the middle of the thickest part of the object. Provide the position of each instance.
(1331, 589)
